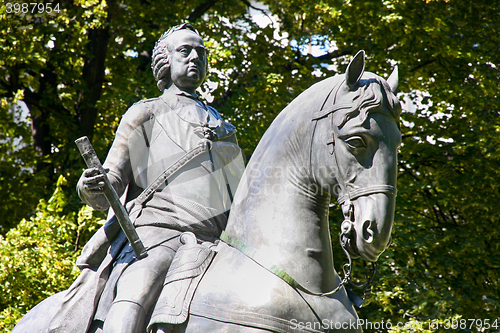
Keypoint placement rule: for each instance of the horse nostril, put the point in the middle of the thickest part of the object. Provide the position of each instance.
(367, 231)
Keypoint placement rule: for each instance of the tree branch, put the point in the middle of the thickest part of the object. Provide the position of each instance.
(200, 10)
(263, 11)
(423, 65)
(335, 54)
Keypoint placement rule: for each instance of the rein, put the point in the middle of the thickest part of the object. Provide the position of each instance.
(347, 234)
(345, 238)
(261, 260)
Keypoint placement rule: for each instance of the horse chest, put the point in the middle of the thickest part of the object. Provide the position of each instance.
(236, 289)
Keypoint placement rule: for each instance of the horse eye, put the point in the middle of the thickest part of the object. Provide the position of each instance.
(355, 142)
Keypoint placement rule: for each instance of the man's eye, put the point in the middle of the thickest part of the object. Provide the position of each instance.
(184, 51)
(355, 142)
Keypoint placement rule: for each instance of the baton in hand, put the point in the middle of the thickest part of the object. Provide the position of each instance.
(121, 214)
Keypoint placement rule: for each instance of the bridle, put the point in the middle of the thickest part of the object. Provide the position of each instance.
(345, 241)
(346, 236)
(346, 198)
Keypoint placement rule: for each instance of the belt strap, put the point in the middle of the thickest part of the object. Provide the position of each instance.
(203, 146)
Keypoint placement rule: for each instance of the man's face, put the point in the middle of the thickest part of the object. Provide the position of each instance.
(187, 60)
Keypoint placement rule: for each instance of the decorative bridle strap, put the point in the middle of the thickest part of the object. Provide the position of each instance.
(262, 261)
(353, 195)
(325, 112)
(347, 197)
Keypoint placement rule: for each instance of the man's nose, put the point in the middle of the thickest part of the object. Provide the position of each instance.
(193, 56)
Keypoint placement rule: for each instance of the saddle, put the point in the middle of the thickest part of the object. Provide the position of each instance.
(185, 273)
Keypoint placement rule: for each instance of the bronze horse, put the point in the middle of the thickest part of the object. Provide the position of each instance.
(340, 136)
(273, 270)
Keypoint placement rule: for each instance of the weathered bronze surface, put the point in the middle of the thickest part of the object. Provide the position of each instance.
(176, 165)
(340, 137)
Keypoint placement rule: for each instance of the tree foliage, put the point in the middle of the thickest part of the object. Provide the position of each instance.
(78, 70)
(37, 257)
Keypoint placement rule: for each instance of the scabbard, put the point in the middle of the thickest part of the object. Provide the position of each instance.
(92, 161)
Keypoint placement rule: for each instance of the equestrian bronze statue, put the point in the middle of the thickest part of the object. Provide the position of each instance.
(270, 268)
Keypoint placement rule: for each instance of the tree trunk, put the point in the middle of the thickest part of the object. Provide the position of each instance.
(92, 79)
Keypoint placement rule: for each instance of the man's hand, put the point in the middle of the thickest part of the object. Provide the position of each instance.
(93, 181)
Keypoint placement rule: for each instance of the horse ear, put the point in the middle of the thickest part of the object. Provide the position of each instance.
(355, 70)
(393, 80)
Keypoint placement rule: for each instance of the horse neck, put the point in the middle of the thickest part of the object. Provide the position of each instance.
(280, 210)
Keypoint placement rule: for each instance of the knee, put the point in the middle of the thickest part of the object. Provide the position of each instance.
(142, 281)
(125, 317)
(140, 286)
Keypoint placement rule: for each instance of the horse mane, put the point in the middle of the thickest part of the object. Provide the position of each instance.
(372, 93)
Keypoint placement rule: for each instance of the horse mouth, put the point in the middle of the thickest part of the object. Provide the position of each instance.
(352, 249)
(370, 256)
(371, 252)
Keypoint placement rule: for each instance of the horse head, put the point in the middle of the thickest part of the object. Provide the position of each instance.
(364, 114)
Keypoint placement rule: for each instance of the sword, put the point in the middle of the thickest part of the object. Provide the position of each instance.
(92, 161)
